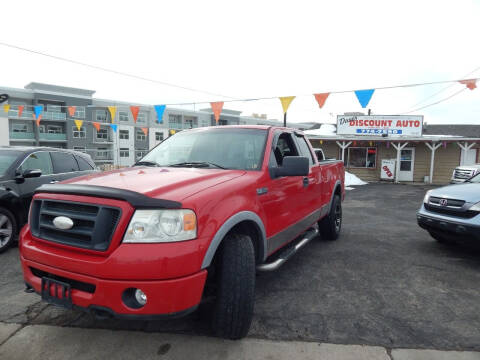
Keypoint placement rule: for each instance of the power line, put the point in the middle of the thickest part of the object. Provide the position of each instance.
(437, 102)
(96, 67)
(443, 89)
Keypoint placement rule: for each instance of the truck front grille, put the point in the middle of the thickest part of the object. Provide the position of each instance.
(453, 208)
(463, 174)
(450, 202)
(93, 225)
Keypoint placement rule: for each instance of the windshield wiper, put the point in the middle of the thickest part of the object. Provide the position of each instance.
(197, 164)
(146, 163)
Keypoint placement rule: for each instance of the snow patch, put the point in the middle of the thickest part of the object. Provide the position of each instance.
(325, 129)
(351, 179)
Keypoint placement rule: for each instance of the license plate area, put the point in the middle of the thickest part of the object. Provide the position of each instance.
(56, 292)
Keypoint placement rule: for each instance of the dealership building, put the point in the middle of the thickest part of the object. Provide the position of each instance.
(398, 148)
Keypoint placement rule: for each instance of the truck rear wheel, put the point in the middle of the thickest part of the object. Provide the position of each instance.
(235, 290)
(331, 224)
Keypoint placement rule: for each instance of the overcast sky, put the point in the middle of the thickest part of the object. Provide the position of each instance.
(248, 49)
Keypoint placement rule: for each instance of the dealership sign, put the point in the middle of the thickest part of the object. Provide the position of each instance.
(380, 125)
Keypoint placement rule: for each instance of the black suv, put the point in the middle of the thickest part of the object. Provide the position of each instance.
(22, 170)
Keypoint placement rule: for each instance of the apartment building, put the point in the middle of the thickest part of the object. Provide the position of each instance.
(123, 147)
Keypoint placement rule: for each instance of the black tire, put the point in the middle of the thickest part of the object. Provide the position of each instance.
(331, 225)
(8, 229)
(235, 288)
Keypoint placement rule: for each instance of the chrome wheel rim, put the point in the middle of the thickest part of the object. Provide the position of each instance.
(338, 217)
(5, 230)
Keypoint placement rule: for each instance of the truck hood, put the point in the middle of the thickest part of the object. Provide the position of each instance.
(167, 183)
(469, 192)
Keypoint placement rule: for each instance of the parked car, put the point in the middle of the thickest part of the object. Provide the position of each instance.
(464, 172)
(196, 218)
(452, 212)
(22, 171)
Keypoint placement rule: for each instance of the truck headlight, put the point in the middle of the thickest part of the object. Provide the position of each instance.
(158, 226)
(475, 207)
(427, 197)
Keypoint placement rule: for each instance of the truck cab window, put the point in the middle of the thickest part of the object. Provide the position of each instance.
(305, 150)
(285, 147)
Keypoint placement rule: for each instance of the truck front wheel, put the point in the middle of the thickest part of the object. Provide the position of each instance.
(331, 224)
(235, 287)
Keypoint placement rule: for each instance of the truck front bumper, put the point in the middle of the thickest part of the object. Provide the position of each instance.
(165, 298)
(450, 229)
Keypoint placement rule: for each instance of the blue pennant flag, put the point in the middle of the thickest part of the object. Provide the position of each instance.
(114, 127)
(37, 110)
(160, 109)
(364, 96)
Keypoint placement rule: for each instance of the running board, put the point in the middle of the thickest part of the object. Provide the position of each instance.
(284, 255)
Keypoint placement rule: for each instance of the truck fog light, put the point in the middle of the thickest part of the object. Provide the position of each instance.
(141, 297)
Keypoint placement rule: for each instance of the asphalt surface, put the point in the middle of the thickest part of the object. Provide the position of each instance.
(385, 282)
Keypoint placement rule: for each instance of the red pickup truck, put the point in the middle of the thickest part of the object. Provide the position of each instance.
(194, 219)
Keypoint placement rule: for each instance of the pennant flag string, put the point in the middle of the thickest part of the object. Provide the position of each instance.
(471, 83)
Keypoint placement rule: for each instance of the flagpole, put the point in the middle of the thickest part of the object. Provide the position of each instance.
(285, 119)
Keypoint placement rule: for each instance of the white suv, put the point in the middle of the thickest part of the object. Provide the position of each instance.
(464, 172)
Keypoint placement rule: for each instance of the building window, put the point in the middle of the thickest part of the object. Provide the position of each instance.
(80, 148)
(124, 152)
(123, 116)
(102, 153)
(361, 157)
(79, 112)
(141, 118)
(102, 134)
(22, 128)
(54, 129)
(159, 136)
(141, 135)
(101, 115)
(79, 134)
(140, 153)
(124, 134)
(175, 121)
(191, 122)
(222, 122)
(41, 129)
(54, 108)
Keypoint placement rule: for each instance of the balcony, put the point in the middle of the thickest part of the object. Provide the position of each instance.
(52, 137)
(18, 136)
(46, 115)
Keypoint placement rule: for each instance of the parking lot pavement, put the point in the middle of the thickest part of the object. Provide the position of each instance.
(385, 282)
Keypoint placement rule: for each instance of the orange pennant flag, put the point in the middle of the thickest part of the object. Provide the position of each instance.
(321, 98)
(145, 131)
(71, 110)
(96, 125)
(217, 109)
(471, 84)
(38, 119)
(135, 110)
(20, 110)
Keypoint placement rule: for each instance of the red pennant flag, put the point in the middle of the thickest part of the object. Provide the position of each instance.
(471, 84)
(38, 119)
(145, 131)
(217, 109)
(20, 110)
(321, 98)
(71, 110)
(96, 125)
(135, 110)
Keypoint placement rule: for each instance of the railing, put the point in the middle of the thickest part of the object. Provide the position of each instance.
(22, 135)
(46, 115)
(56, 137)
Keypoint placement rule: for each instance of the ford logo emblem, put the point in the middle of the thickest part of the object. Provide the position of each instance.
(63, 223)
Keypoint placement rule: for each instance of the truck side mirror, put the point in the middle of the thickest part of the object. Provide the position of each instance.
(293, 166)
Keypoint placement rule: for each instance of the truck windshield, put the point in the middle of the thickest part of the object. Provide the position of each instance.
(475, 179)
(216, 148)
(7, 157)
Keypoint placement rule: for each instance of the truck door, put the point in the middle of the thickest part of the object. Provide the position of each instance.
(283, 199)
(313, 182)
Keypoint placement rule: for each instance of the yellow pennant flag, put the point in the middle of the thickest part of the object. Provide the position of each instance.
(78, 123)
(6, 108)
(113, 111)
(286, 101)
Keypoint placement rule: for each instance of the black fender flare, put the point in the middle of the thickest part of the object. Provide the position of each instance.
(338, 184)
(226, 227)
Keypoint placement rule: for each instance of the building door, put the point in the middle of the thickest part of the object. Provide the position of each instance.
(468, 157)
(407, 159)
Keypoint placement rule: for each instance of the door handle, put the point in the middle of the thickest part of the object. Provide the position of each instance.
(305, 181)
